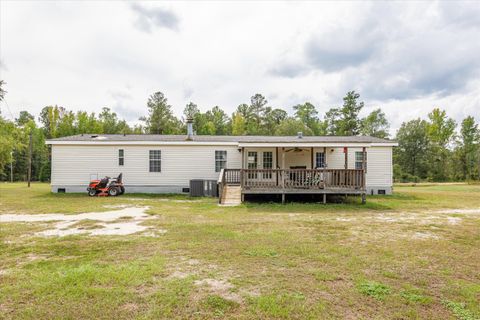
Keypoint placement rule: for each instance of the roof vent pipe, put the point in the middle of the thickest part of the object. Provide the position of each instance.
(300, 135)
(189, 129)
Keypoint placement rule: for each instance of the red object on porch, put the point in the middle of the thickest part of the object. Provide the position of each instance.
(345, 150)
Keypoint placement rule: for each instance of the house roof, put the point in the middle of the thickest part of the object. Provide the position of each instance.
(206, 139)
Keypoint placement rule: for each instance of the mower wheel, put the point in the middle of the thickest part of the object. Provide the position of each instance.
(92, 192)
(122, 190)
(113, 192)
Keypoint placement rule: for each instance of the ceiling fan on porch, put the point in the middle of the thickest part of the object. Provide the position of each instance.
(296, 149)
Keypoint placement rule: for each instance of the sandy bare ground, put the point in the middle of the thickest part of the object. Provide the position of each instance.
(127, 220)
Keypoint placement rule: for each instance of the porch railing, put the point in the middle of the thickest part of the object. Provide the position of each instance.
(273, 179)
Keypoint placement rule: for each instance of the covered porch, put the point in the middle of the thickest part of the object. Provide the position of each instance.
(299, 169)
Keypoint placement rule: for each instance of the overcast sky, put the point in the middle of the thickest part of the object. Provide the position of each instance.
(403, 57)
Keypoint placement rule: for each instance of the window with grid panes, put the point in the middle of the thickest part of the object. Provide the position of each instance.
(220, 160)
(155, 161)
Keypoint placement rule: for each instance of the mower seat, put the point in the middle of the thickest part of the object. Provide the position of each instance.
(103, 183)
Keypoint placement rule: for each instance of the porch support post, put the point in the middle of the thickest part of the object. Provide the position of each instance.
(243, 157)
(311, 158)
(325, 157)
(345, 151)
(364, 167)
(276, 158)
(283, 175)
(324, 198)
(276, 164)
(364, 160)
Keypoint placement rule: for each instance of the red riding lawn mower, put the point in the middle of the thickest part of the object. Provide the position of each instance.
(106, 187)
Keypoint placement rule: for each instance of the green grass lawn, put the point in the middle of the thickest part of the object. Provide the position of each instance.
(397, 257)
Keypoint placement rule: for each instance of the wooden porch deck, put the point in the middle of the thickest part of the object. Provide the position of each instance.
(294, 181)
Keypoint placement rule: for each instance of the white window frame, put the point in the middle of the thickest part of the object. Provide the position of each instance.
(252, 164)
(267, 175)
(317, 160)
(155, 159)
(121, 158)
(220, 160)
(359, 160)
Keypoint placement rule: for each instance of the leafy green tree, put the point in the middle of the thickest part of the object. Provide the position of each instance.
(9, 142)
(441, 128)
(375, 124)
(291, 126)
(254, 114)
(308, 114)
(138, 129)
(209, 128)
(469, 148)
(9, 138)
(272, 118)
(256, 111)
(344, 121)
(413, 146)
(108, 120)
(244, 110)
(441, 132)
(332, 121)
(40, 154)
(191, 110)
(238, 124)
(160, 119)
(350, 125)
(111, 124)
(66, 124)
(218, 121)
(50, 117)
(23, 118)
(87, 123)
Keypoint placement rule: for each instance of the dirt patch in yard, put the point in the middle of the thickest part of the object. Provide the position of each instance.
(210, 279)
(424, 235)
(222, 288)
(91, 223)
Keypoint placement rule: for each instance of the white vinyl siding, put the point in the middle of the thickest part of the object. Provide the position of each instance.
(72, 165)
(379, 167)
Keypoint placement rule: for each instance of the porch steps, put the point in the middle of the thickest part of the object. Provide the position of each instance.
(232, 195)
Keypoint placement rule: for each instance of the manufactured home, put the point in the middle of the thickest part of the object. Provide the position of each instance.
(240, 165)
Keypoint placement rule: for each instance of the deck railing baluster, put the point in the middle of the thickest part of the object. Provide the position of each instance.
(295, 178)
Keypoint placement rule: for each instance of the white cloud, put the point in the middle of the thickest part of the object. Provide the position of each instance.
(149, 18)
(405, 58)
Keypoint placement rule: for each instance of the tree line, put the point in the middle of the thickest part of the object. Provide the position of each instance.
(429, 150)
